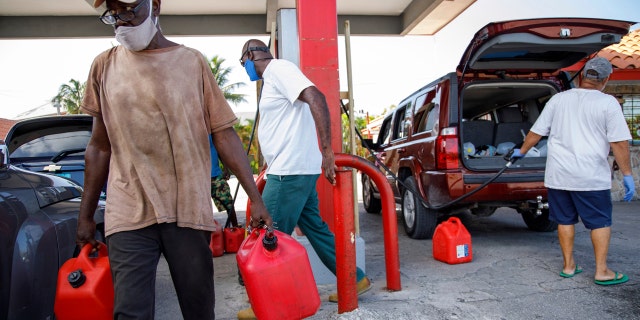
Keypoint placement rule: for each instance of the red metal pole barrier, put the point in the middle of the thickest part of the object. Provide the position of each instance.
(389, 223)
(345, 242)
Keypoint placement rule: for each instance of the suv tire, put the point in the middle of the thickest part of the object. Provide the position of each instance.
(540, 223)
(371, 204)
(419, 221)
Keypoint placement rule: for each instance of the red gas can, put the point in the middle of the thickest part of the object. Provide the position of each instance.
(452, 242)
(85, 288)
(217, 242)
(233, 238)
(277, 275)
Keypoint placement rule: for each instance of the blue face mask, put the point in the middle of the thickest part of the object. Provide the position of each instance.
(251, 70)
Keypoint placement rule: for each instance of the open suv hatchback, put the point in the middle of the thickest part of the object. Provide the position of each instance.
(451, 136)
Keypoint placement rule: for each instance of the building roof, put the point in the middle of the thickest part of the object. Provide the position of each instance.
(626, 54)
(5, 125)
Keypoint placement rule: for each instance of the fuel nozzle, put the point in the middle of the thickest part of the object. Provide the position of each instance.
(270, 241)
(507, 157)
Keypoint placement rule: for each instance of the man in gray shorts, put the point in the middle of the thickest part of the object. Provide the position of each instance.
(583, 124)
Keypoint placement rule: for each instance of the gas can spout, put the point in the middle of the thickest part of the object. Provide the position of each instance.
(76, 278)
(270, 241)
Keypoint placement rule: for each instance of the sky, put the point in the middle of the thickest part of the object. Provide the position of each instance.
(385, 69)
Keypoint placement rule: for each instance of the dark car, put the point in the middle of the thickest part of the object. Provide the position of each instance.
(52, 144)
(41, 178)
(450, 137)
(38, 218)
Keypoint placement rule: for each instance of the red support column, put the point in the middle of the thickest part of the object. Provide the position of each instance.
(318, 37)
(345, 243)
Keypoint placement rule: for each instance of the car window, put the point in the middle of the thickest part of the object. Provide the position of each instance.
(420, 112)
(486, 116)
(433, 112)
(383, 135)
(52, 144)
(407, 125)
(427, 113)
(400, 123)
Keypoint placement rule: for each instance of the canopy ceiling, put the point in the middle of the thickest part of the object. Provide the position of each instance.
(75, 18)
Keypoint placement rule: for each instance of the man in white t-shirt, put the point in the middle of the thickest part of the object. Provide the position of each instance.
(294, 117)
(583, 124)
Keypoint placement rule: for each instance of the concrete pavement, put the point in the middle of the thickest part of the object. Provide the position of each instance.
(513, 275)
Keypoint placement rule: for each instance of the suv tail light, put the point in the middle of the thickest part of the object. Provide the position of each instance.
(447, 151)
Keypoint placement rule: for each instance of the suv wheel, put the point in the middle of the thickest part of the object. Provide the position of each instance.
(419, 221)
(371, 204)
(539, 223)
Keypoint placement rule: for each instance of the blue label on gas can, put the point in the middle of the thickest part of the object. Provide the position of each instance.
(462, 251)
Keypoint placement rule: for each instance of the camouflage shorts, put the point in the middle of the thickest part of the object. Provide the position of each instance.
(221, 194)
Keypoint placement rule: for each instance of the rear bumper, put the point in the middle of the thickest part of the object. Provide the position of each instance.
(509, 188)
(504, 178)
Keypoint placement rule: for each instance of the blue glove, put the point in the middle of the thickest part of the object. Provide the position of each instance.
(629, 186)
(516, 154)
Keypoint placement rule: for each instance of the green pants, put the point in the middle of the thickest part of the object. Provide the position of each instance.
(221, 194)
(293, 200)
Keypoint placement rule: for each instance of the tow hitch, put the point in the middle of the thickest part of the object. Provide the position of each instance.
(541, 205)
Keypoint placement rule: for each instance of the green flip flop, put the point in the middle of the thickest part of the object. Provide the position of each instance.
(569, 275)
(613, 281)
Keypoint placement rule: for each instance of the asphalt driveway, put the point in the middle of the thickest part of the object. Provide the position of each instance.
(513, 275)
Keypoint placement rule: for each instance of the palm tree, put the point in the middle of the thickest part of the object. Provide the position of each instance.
(221, 74)
(360, 123)
(70, 96)
(242, 129)
(244, 132)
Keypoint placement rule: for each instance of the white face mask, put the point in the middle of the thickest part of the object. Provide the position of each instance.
(138, 37)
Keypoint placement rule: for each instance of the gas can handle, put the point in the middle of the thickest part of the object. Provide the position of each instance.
(269, 232)
(86, 250)
(455, 221)
(251, 229)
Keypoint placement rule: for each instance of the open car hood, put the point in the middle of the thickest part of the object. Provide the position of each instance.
(538, 45)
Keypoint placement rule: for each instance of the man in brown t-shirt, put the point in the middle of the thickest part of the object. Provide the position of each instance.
(154, 103)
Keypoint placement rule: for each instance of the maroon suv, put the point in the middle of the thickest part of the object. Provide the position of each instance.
(451, 136)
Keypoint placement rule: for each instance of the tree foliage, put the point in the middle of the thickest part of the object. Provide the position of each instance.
(70, 96)
(243, 129)
(222, 78)
(360, 123)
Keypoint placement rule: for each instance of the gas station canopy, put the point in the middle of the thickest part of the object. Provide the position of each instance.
(76, 19)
